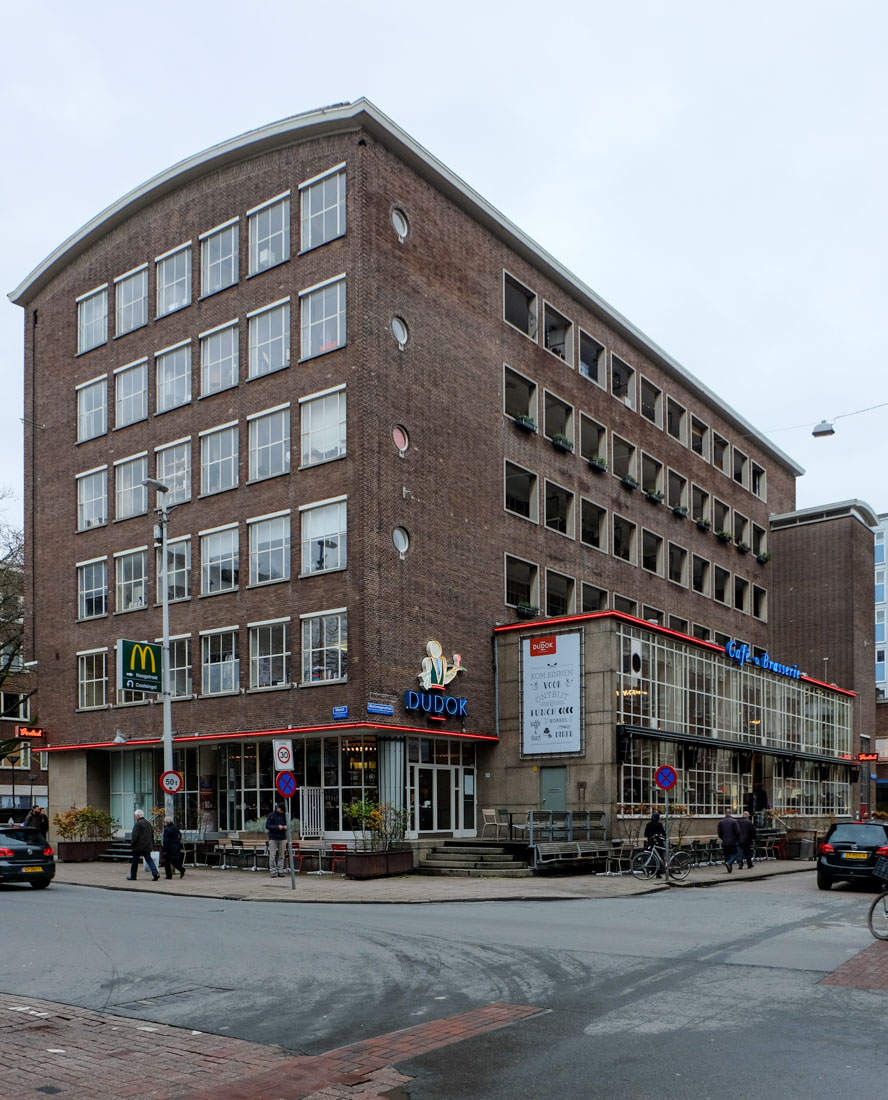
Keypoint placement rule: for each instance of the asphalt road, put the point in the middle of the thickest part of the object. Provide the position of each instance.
(686, 994)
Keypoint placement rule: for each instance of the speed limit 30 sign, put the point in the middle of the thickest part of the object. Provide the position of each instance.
(283, 755)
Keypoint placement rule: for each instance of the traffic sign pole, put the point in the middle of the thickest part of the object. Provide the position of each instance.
(290, 859)
(665, 777)
(285, 782)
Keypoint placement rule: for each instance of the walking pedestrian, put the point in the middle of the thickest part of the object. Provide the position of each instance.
(276, 825)
(747, 830)
(143, 844)
(38, 820)
(729, 835)
(171, 854)
(655, 837)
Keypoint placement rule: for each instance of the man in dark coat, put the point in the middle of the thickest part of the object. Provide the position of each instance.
(655, 837)
(38, 820)
(747, 837)
(276, 826)
(143, 844)
(171, 854)
(729, 835)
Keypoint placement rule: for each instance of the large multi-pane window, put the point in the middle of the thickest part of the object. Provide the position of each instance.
(270, 549)
(131, 393)
(323, 209)
(219, 663)
(218, 459)
(92, 499)
(174, 470)
(130, 494)
(131, 300)
(323, 427)
(219, 258)
(270, 443)
(92, 319)
(219, 563)
(132, 580)
(269, 233)
(269, 339)
(92, 409)
(324, 536)
(219, 358)
(91, 679)
(178, 569)
(92, 585)
(269, 654)
(323, 318)
(173, 280)
(324, 647)
(180, 668)
(173, 369)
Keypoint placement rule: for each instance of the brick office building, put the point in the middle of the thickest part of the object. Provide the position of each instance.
(477, 439)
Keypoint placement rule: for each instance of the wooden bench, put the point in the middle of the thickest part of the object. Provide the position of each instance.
(592, 849)
(554, 851)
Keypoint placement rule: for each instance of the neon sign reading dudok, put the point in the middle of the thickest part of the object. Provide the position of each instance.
(743, 656)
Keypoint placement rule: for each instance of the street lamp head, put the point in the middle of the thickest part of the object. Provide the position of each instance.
(153, 483)
(823, 428)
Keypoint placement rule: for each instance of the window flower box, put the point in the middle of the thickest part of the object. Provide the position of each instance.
(526, 611)
(703, 525)
(562, 443)
(654, 496)
(526, 423)
(723, 536)
(680, 511)
(629, 483)
(763, 557)
(742, 548)
(599, 464)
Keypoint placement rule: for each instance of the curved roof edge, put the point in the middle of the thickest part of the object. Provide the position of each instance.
(364, 114)
(856, 509)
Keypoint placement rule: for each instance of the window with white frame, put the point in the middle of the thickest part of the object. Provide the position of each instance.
(521, 491)
(92, 499)
(218, 459)
(219, 258)
(269, 339)
(700, 505)
(699, 438)
(623, 381)
(651, 476)
(219, 359)
(593, 440)
(91, 679)
(178, 569)
(624, 458)
(560, 593)
(676, 418)
(323, 318)
(269, 234)
(270, 443)
(173, 464)
(131, 394)
(522, 583)
(593, 359)
(677, 491)
(757, 483)
(323, 536)
(269, 655)
(557, 334)
(741, 594)
(180, 668)
(624, 539)
(721, 452)
(700, 575)
(18, 708)
(324, 647)
(678, 564)
(173, 370)
(559, 509)
(651, 402)
(651, 552)
(92, 587)
(92, 409)
(130, 494)
(593, 525)
(131, 580)
(759, 602)
(131, 300)
(323, 209)
(219, 662)
(92, 319)
(219, 561)
(593, 598)
(323, 427)
(557, 418)
(519, 306)
(269, 549)
(173, 280)
(519, 395)
(720, 583)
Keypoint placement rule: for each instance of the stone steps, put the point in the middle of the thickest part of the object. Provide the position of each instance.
(466, 860)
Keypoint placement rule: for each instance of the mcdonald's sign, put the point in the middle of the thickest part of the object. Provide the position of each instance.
(139, 666)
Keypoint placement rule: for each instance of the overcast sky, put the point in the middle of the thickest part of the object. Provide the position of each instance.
(715, 171)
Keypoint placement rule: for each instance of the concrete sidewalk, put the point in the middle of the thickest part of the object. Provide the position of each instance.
(406, 889)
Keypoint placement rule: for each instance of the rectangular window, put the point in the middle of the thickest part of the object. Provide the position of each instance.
(593, 525)
(721, 451)
(624, 458)
(219, 359)
(758, 484)
(721, 580)
(559, 594)
(130, 494)
(220, 664)
(651, 552)
(558, 419)
(558, 334)
(559, 509)
(700, 575)
(741, 594)
(173, 464)
(323, 209)
(269, 339)
(269, 234)
(676, 491)
(173, 370)
(91, 679)
(676, 418)
(700, 505)
(131, 394)
(721, 518)
(173, 280)
(699, 438)
(219, 562)
(269, 655)
(219, 258)
(92, 499)
(131, 295)
(594, 599)
(18, 707)
(92, 409)
(624, 539)
(651, 402)
(519, 306)
(740, 467)
(218, 460)
(593, 440)
(92, 586)
(623, 381)
(522, 583)
(741, 529)
(323, 536)
(323, 318)
(521, 491)
(270, 444)
(92, 319)
(679, 624)
(652, 614)
(678, 564)
(519, 395)
(131, 580)
(624, 604)
(323, 427)
(178, 570)
(701, 632)
(592, 359)
(759, 602)
(180, 668)
(269, 549)
(324, 647)
(651, 476)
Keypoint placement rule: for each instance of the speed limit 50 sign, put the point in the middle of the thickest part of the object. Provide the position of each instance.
(283, 755)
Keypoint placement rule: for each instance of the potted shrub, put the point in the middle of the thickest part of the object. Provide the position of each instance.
(654, 495)
(561, 442)
(527, 611)
(83, 834)
(723, 536)
(596, 462)
(742, 546)
(763, 557)
(526, 423)
(703, 524)
(379, 829)
(680, 511)
(628, 482)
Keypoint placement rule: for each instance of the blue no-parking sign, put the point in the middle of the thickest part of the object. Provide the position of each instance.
(665, 777)
(286, 784)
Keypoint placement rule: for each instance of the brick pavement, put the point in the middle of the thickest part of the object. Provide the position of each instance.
(868, 969)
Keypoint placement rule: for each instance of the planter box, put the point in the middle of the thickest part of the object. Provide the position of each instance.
(80, 851)
(594, 464)
(378, 864)
(527, 612)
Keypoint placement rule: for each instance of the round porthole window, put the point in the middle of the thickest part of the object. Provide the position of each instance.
(400, 438)
(401, 540)
(399, 221)
(400, 331)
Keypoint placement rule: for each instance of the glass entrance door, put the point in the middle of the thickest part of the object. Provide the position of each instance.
(433, 798)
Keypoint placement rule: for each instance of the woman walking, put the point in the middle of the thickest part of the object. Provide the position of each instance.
(171, 849)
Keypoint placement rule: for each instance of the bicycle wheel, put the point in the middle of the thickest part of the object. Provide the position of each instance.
(645, 864)
(878, 917)
(680, 865)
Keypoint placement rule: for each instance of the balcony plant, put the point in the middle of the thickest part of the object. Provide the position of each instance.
(654, 496)
(703, 524)
(763, 557)
(723, 536)
(527, 611)
(526, 423)
(562, 443)
(680, 511)
(628, 482)
(596, 462)
(742, 547)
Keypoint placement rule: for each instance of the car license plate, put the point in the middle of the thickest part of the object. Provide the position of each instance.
(38, 870)
(854, 855)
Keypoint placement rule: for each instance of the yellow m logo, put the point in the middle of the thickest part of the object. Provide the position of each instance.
(145, 652)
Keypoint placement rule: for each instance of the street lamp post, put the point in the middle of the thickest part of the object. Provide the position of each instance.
(164, 513)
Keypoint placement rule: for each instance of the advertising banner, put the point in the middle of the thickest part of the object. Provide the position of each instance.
(551, 694)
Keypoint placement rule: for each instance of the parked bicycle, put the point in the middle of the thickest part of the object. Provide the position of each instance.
(652, 861)
(877, 918)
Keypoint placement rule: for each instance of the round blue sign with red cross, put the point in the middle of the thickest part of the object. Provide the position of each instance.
(665, 777)
(286, 783)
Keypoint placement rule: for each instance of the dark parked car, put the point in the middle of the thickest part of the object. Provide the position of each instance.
(25, 856)
(849, 852)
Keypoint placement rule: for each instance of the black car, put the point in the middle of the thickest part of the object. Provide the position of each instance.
(849, 852)
(25, 856)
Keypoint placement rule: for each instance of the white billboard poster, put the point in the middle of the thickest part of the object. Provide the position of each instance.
(551, 686)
